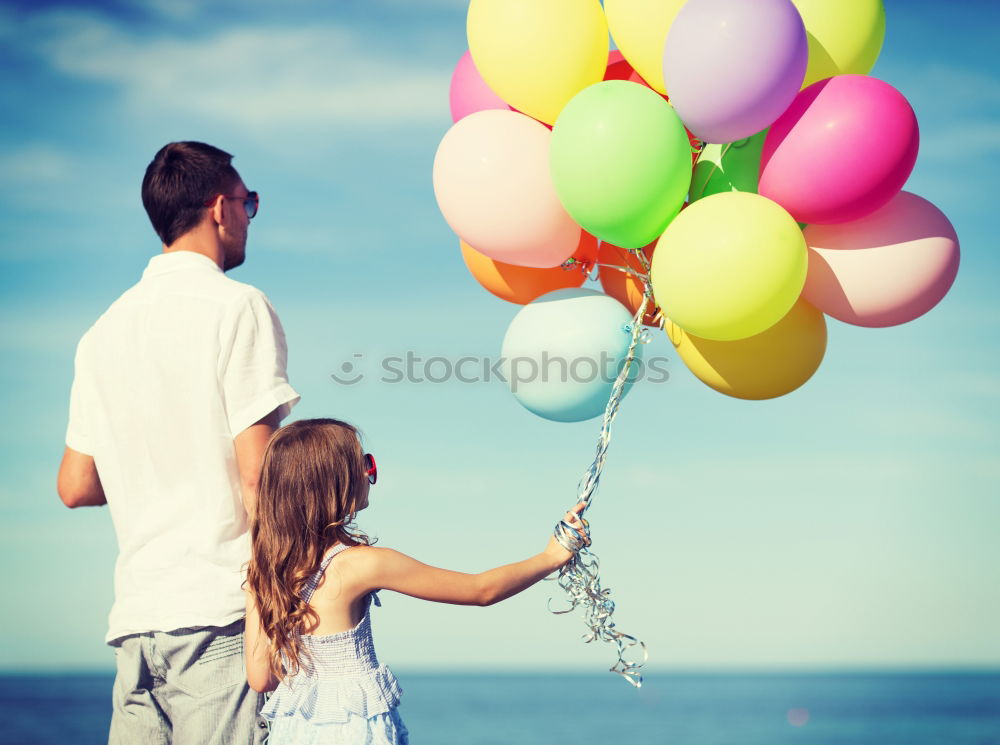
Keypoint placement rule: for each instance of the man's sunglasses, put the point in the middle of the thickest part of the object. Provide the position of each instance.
(250, 202)
(372, 471)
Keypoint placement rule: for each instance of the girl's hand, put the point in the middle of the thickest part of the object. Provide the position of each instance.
(555, 550)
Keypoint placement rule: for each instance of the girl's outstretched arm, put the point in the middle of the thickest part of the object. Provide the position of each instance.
(383, 568)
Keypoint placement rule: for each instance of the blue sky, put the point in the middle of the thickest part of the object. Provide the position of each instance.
(851, 523)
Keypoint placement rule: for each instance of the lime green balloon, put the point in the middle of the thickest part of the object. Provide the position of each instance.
(621, 162)
(845, 36)
(730, 266)
(733, 166)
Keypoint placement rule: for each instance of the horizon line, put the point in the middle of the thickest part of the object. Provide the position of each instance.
(687, 670)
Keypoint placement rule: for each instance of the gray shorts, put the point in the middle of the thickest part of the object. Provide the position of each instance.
(185, 687)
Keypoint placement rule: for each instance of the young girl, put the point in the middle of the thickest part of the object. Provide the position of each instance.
(311, 581)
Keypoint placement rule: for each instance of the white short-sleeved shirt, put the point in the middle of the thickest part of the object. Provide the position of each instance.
(179, 365)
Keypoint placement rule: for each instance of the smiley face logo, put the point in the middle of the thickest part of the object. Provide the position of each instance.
(348, 372)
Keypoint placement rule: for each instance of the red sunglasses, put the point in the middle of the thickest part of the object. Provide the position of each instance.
(372, 471)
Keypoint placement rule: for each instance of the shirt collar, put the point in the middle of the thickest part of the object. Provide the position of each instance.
(168, 262)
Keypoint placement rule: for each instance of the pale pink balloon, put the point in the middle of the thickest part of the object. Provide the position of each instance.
(844, 148)
(884, 269)
(492, 183)
(469, 92)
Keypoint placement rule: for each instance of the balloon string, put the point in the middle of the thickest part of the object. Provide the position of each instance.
(640, 254)
(715, 167)
(573, 263)
(627, 270)
(580, 578)
(588, 268)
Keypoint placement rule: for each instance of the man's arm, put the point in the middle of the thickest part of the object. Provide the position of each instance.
(78, 483)
(250, 444)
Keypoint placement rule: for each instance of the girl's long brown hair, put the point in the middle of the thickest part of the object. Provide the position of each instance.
(311, 485)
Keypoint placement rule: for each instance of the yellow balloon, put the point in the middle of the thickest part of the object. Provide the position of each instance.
(845, 36)
(639, 28)
(767, 365)
(537, 54)
(729, 266)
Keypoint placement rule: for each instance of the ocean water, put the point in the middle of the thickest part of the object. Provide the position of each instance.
(601, 709)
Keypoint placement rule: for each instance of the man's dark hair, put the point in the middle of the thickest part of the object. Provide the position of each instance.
(178, 182)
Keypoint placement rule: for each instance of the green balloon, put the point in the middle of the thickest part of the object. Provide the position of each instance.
(621, 162)
(734, 166)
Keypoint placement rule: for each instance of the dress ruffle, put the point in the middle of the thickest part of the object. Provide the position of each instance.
(340, 694)
(333, 700)
(381, 729)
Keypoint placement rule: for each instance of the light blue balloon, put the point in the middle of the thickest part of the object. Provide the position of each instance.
(563, 352)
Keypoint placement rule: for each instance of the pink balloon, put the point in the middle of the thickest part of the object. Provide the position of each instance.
(469, 92)
(884, 269)
(843, 149)
(492, 183)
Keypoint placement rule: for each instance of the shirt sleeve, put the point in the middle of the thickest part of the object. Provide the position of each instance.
(78, 431)
(254, 358)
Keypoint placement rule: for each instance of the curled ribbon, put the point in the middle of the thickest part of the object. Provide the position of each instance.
(580, 577)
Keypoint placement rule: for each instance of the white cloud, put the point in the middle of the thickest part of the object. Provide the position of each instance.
(252, 78)
(942, 87)
(462, 5)
(177, 10)
(932, 420)
(45, 176)
(961, 85)
(38, 165)
(979, 137)
(858, 477)
(50, 332)
(975, 383)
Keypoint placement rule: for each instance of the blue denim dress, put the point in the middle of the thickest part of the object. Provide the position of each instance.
(341, 693)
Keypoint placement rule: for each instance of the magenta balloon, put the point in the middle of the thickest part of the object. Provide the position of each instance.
(469, 92)
(732, 67)
(884, 269)
(843, 149)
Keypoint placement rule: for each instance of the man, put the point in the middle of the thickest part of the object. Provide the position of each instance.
(177, 388)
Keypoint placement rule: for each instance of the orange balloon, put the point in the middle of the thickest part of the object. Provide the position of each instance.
(522, 284)
(624, 287)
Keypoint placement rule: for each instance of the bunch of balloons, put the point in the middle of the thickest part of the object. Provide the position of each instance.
(731, 163)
